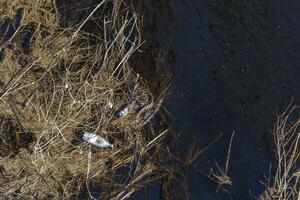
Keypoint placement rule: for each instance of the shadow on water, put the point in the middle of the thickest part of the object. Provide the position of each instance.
(236, 66)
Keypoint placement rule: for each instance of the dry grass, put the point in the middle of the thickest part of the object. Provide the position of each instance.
(221, 176)
(59, 79)
(285, 185)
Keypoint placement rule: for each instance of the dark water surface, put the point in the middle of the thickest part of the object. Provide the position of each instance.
(237, 64)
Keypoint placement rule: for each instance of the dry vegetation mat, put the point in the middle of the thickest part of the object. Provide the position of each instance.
(65, 72)
(285, 184)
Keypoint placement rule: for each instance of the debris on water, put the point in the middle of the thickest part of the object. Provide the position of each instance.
(96, 140)
(124, 110)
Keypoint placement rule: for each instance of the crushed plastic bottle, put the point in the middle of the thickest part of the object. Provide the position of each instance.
(96, 140)
(124, 110)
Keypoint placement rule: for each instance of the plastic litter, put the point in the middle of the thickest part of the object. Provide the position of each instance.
(96, 140)
(124, 110)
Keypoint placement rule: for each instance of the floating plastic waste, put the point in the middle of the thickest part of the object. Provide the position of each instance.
(96, 140)
(124, 110)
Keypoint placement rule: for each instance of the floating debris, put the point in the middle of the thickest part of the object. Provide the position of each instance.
(124, 110)
(96, 140)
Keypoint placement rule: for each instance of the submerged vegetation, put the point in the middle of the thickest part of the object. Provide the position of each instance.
(65, 69)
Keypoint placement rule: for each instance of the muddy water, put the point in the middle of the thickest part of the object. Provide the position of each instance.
(237, 64)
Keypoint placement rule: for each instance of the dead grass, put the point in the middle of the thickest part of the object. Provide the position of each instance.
(285, 185)
(59, 79)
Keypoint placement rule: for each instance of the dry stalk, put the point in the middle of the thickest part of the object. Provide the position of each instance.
(59, 79)
(285, 184)
(221, 177)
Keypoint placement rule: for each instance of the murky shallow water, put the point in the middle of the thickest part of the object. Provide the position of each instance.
(237, 64)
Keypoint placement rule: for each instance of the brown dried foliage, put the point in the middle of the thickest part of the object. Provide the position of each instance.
(285, 183)
(59, 79)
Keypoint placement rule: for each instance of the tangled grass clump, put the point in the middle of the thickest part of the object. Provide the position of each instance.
(64, 72)
(285, 184)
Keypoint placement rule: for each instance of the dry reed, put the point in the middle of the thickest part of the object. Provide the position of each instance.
(59, 79)
(285, 184)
